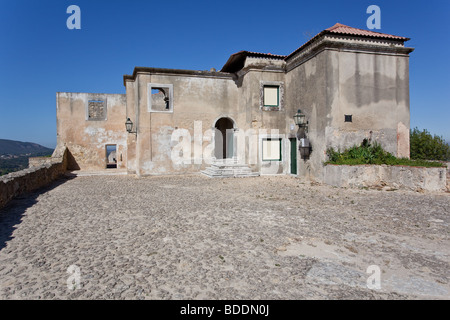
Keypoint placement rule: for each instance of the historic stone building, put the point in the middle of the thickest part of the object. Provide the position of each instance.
(351, 84)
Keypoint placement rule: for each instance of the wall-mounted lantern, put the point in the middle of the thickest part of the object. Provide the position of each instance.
(300, 119)
(129, 126)
(304, 145)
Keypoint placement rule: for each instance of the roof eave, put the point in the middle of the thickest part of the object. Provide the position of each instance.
(324, 32)
(233, 62)
(237, 60)
(136, 70)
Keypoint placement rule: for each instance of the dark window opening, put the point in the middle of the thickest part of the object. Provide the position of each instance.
(348, 118)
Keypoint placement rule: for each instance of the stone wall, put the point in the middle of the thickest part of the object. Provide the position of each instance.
(350, 90)
(448, 175)
(387, 177)
(39, 161)
(86, 123)
(42, 171)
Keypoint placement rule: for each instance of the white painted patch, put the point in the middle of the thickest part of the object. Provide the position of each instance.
(101, 137)
(93, 131)
(148, 166)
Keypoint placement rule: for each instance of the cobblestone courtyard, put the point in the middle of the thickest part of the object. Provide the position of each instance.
(191, 237)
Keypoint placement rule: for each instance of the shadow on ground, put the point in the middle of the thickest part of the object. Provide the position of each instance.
(11, 214)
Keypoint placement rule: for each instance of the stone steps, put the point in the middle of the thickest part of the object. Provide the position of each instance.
(228, 169)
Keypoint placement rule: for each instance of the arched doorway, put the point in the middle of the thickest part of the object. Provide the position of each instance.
(224, 136)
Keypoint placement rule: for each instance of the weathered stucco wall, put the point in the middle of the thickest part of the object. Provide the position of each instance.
(200, 98)
(130, 111)
(86, 139)
(308, 89)
(374, 90)
(265, 122)
(334, 75)
(27, 180)
(326, 85)
(333, 79)
(396, 177)
(204, 98)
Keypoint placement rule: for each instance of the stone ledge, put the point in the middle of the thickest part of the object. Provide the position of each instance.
(32, 178)
(383, 176)
(39, 161)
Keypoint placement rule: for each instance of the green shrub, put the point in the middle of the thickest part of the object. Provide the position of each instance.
(368, 153)
(424, 146)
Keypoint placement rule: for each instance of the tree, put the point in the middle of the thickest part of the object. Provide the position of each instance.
(424, 146)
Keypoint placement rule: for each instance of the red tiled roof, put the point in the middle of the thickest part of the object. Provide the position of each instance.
(339, 28)
(343, 29)
(236, 60)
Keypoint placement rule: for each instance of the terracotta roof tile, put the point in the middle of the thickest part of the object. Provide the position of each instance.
(339, 28)
(236, 60)
(343, 29)
(266, 55)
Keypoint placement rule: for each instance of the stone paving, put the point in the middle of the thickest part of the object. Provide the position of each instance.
(192, 237)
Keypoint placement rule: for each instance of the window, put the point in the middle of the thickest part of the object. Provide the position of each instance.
(160, 97)
(271, 149)
(271, 96)
(348, 118)
(96, 110)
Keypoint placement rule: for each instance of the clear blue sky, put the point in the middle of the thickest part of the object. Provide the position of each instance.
(40, 56)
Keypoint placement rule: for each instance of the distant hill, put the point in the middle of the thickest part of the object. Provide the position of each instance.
(14, 154)
(22, 148)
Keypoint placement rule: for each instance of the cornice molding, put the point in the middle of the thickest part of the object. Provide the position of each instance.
(176, 72)
(358, 47)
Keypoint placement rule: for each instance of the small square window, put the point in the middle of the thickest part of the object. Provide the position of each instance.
(271, 96)
(160, 97)
(348, 118)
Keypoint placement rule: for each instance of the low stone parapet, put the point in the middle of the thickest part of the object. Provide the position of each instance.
(36, 176)
(389, 177)
(38, 161)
